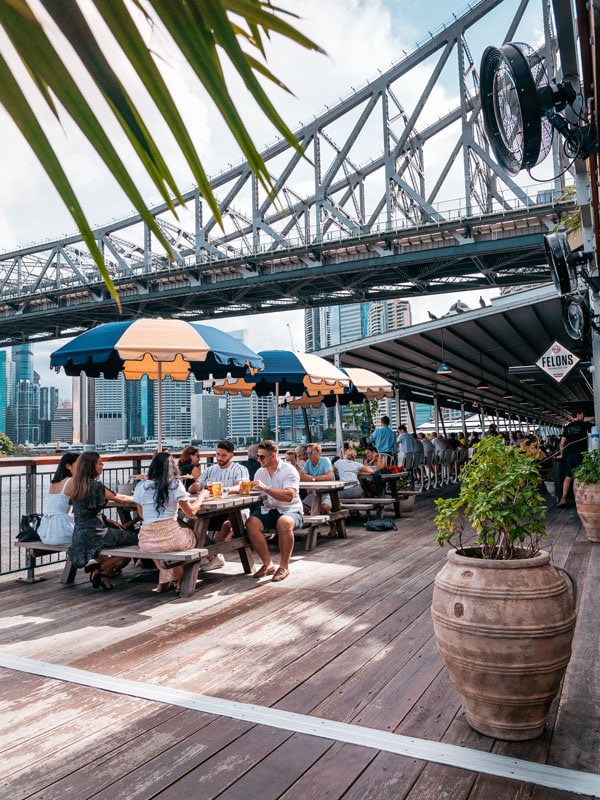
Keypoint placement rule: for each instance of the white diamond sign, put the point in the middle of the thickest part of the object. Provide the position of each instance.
(557, 361)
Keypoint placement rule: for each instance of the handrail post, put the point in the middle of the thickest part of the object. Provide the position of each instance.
(30, 487)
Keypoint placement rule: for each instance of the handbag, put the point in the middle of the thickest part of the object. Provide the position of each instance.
(381, 524)
(28, 529)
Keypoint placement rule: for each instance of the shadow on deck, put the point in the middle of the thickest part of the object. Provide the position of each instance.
(347, 638)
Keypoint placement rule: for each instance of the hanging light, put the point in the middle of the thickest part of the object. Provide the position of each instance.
(483, 384)
(443, 368)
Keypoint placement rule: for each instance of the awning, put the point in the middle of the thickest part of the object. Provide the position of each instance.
(498, 345)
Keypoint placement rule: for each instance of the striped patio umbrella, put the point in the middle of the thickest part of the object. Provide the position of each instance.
(156, 348)
(286, 372)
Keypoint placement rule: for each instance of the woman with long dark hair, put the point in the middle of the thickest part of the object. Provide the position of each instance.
(158, 499)
(91, 533)
(189, 464)
(56, 526)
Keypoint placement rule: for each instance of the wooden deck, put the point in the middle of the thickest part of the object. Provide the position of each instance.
(347, 638)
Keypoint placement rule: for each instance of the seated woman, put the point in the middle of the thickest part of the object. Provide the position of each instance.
(56, 526)
(189, 466)
(158, 499)
(372, 483)
(91, 532)
(350, 470)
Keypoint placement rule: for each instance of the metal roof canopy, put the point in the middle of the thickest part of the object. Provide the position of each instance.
(512, 332)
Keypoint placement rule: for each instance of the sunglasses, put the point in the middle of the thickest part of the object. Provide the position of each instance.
(311, 452)
(262, 458)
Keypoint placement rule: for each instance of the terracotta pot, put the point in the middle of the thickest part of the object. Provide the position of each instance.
(407, 503)
(504, 630)
(587, 501)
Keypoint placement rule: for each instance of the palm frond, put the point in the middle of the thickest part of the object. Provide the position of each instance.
(204, 31)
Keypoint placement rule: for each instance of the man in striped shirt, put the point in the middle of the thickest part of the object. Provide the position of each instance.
(228, 473)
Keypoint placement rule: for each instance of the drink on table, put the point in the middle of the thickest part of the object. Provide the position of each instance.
(216, 490)
(246, 486)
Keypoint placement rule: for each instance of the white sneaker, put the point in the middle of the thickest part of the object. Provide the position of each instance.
(217, 562)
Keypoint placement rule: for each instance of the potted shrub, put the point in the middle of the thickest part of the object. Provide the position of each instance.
(587, 493)
(405, 483)
(503, 616)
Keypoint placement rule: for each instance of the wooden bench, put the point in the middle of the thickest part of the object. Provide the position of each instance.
(377, 503)
(310, 524)
(35, 550)
(190, 559)
(355, 507)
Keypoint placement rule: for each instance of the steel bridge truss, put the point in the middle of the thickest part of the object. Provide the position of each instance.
(345, 225)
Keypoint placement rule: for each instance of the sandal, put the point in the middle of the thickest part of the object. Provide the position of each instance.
(165, 587)
(281, 574)
(264, 570)
(96, 577)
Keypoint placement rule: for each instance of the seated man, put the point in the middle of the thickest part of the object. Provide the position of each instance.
(280, 510)
(251, 463)
(228, 473)
(317, 468)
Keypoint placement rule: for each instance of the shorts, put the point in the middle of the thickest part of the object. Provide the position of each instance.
(572, 460)
(269, 520)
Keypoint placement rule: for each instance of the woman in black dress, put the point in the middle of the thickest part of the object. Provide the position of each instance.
(91, 533)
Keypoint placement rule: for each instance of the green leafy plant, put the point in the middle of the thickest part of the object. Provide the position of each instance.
(7, 448)
(213, 37)
(589, 469)
(499, 497)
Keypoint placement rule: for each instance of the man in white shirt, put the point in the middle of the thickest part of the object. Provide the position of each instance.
(281, 510)
(228, 473)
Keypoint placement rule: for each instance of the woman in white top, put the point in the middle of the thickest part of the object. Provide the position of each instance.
(56, 526)
(158, 500)
(348, 469)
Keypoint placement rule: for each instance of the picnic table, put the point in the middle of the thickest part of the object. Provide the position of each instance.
(337, 514)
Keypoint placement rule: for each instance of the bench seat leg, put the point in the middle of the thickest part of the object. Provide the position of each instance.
(30, 561)
(312, 534)
(69, 572)
(190, 576)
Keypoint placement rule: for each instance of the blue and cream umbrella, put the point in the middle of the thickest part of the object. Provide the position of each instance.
(287, 373)
(157, 348)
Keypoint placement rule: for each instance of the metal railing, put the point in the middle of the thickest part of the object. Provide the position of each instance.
(24, 484)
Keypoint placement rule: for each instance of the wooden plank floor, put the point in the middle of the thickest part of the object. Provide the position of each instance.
(347, 637)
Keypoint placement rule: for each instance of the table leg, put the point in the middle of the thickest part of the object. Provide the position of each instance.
(340, 522)
(394, 493)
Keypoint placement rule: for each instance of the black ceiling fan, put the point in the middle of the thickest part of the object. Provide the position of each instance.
(521, 109)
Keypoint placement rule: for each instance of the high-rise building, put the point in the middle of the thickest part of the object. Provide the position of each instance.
(209, 417)
(48, 401)
(7, 380)
(246, 417)
(62, 424)
(109, 418)
(25, 401)
(387, 315)
(84, 409)
(331, 325)
(176, 408)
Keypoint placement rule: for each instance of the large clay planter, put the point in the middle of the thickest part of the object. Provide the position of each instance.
(407, 502)
(587, 501)
(504, 630)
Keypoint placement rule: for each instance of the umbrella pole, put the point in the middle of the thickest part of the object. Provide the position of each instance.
(159, 394)
(306, 425)
(339, 429)
(277, 415)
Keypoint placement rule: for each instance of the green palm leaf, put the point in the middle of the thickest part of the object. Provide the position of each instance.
(204, 31)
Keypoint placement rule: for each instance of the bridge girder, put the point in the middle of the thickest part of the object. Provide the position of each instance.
(352, 221)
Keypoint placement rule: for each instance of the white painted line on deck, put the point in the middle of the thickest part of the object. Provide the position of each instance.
(408, 746)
